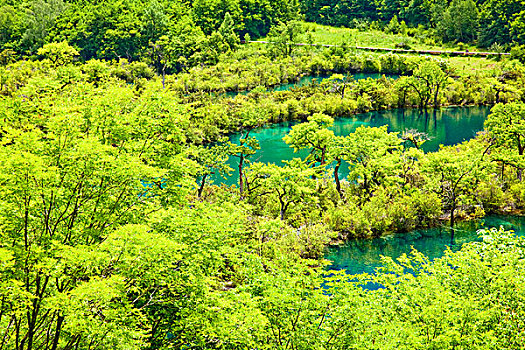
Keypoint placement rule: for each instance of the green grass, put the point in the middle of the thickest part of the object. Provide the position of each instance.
(321, 34)
(353, 37)
(472, 65)
(375, 38)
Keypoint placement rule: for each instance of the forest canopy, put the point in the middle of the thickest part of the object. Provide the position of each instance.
(486, 22)
(199, 31)
(137, 213)
(133, 28)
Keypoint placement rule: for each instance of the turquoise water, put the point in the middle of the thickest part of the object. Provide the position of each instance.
(363, 256)
(310, 78)
(447, 126)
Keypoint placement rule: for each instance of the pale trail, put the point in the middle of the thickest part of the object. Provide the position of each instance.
(429, 52)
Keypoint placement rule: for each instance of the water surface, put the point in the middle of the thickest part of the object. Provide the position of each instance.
(309, 79)
(364, 255)
(447, 126)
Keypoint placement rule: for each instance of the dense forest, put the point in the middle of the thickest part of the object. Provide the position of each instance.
(196, 32)
(136, 212)
(493, 23)
(138, 29)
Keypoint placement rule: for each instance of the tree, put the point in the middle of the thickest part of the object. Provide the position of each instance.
(339, 150)
(284, 37)
(209, 14)
(449, 302)
(314, 135)
(459, 22)
(427, 81)
(454, 172)
(162, 56)
(185, 45)
(62, 195)
(227, 33)
(9, 22)
(337, 83)
(372, 155)
(210, 161)
(497, 20)
(291, 183)
(39, 20)
(248, 145)
(416, 137)
(59, 54)
(506, 127)
(221, 41)
(155, 22)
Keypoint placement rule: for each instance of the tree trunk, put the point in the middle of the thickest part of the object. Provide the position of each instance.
(241, 182)
(282, 208)
(337, 181)
(452, 220)
(436, 94)
(521, 148)
(60, 320)
(427, 98)
(201, 187)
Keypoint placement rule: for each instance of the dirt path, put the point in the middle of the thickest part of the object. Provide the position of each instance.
(421, 52)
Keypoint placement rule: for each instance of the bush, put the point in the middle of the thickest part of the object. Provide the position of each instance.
(403, 45)
(518, 53)
(132, 72)
(95, 70)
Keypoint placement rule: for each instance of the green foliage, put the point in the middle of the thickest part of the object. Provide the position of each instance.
(500, 21)
(459, 22)
(454, 173)
(492, 21)
(284, 37)
(58, 53)
(449, 302)
(312, 135)
(115, 236)
(427, 81)
(518, 53)
(125, 29)
(39, 20)
(506, 128)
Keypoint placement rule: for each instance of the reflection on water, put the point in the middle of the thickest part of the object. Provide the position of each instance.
(447, 126)
(363, 256)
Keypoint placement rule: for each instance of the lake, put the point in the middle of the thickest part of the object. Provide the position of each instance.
(318, 79)
(364, 255)
(447, 126)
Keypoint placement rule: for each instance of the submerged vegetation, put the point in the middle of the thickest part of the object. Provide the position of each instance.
(118, 234)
